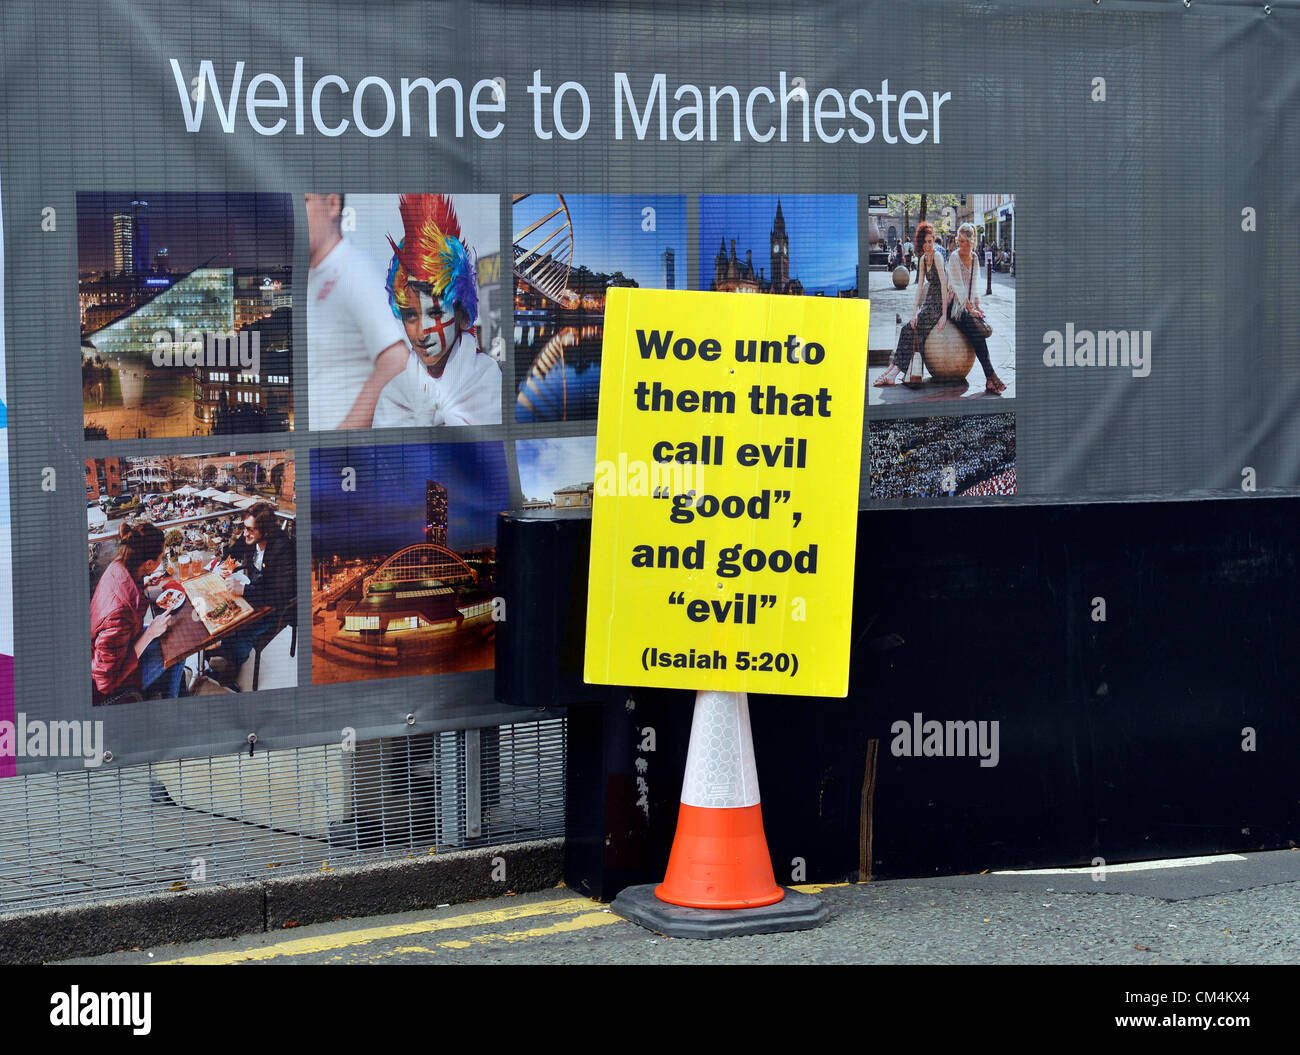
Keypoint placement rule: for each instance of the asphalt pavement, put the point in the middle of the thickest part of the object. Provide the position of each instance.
(1231, 909)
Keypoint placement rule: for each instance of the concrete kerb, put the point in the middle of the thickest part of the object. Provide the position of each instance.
(215, 911)
(422, 882)
(222, 910)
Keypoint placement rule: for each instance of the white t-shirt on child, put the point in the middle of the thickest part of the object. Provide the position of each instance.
(467, 393)
(349, 322)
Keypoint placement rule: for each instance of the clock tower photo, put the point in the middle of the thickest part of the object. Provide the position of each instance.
(733, 275)
(780, 252)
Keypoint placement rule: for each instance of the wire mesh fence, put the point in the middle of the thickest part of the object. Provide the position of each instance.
(88, 835)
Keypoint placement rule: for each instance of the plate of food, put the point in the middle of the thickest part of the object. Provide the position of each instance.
(216, 605)
(170, 600)
(220, 613)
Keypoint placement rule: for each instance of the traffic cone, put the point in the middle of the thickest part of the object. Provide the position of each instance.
(720, 858)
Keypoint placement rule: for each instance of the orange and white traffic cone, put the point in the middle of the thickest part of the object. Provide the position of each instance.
(719, 882)
(720, 858)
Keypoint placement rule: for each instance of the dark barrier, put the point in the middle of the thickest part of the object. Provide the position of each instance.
(1109, 681)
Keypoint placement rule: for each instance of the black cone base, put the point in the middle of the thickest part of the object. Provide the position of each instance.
(795, 911)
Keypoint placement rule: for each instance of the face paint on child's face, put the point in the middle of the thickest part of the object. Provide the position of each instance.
(432, 329)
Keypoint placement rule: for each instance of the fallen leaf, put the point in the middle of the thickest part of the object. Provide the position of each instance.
(1141, 948)
(178, 885)
(287, 924)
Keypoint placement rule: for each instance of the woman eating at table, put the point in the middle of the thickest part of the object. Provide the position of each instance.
(124, 654)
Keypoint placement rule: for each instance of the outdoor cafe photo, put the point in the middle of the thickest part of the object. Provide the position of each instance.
(192, 564)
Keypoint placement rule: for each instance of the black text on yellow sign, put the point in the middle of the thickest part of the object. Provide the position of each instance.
(727, 462)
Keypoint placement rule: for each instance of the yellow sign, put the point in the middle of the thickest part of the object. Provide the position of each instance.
(728, 451)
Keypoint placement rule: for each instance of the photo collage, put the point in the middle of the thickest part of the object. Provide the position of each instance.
(200, 407)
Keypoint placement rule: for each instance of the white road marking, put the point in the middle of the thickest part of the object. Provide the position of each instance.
(1131, 866)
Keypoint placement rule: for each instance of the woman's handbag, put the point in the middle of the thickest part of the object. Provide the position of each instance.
(916, 368)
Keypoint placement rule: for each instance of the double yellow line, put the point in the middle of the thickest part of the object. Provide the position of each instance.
(586, 914)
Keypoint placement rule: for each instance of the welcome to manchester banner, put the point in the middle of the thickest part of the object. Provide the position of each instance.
(298, 298)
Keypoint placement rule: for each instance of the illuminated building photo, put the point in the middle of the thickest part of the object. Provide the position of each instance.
(404, 559)
(568, 250)
(186, 314)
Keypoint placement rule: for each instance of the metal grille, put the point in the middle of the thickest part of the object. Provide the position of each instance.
(88, 835)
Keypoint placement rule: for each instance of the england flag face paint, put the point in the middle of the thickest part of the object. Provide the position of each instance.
(433, 330)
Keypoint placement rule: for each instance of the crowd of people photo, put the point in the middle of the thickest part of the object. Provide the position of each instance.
(930, 457)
